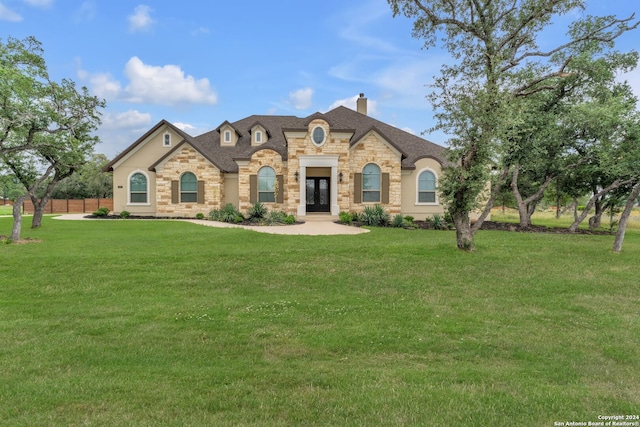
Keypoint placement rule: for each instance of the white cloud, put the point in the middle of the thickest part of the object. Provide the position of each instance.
(128, 120)
(166, 85)
(351, 102)
(301, 98)
(141, 19)
(86, 12)
(104, 86)
(186, 127)
(7, 14)
(148, 84)
(121, 129)
(39, 3)
(200, 30)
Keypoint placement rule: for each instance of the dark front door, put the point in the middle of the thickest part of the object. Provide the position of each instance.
(318, 195)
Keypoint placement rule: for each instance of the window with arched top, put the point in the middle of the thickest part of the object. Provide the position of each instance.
(427, 187)
(188, 188)
(266, 183)
(371, 183)
(138, 188)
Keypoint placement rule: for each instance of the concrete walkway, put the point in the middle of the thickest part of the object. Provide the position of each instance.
(315, 227)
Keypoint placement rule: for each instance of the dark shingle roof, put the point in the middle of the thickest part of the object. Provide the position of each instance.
(208, 144)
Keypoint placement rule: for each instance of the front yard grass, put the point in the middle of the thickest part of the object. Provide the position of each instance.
(169, 323)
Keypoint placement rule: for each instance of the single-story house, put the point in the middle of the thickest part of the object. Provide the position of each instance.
(341, 160)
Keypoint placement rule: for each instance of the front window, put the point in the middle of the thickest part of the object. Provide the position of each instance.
(266, 183)
(318, 135)
(371, 183)
(188, 188)
(427, 187)
(138, 188)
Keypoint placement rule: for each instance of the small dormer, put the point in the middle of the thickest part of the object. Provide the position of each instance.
(259, 135)
(228, 135)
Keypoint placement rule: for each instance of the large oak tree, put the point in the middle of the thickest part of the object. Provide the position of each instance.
(42, 122)
(496, 59)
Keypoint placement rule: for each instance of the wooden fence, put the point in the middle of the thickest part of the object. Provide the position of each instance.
(71, 206)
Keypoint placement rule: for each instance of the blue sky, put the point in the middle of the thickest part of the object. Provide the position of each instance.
(199, 63)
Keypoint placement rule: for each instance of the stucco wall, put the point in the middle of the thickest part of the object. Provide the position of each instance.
(410, 205)
(138, 160)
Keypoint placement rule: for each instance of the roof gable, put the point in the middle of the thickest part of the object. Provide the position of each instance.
(143, 140)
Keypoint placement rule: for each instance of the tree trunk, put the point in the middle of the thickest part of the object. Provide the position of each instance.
(38, 211)
(495, 190)
(617, 183)
(464, 236)
(527, 207)
(624, 218)
(596, 220)
(17, 218)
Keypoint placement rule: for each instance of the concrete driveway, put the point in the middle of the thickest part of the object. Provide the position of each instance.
(309, 228)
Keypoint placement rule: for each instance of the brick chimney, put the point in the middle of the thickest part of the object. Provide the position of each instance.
(361, 104)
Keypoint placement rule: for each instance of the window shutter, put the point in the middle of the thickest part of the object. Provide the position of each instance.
(175, 192)
(280, 198)
(253, 188)
(200, 192)
(385, 188)
(357, 188)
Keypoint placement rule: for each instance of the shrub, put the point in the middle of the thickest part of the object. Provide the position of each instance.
(256, 212)
(345, 217)
(409, 219)
(398, 221)
(103, 211)
(125, 214)
(274, 218)
(200, 215)
(375, 216)
(290, 219)
(227, 214)
(439, 222)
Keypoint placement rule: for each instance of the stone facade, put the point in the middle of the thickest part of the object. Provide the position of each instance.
(188, 160)
(259, 159)
(320, 157)
(373, 149)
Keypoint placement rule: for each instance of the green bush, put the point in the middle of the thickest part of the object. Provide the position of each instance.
(200, 215)
(256, 212)
(345, 217)
(439, 222)
(125, 214)
(398, 221)
(274, 218)
(290, 219)
(409, 219)
(103, 211)
(227, 214)
(375, 216)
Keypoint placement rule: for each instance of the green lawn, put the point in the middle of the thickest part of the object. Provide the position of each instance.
(130, 322)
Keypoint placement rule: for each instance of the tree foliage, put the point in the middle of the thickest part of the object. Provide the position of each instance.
(497, 63)
(46, 127)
